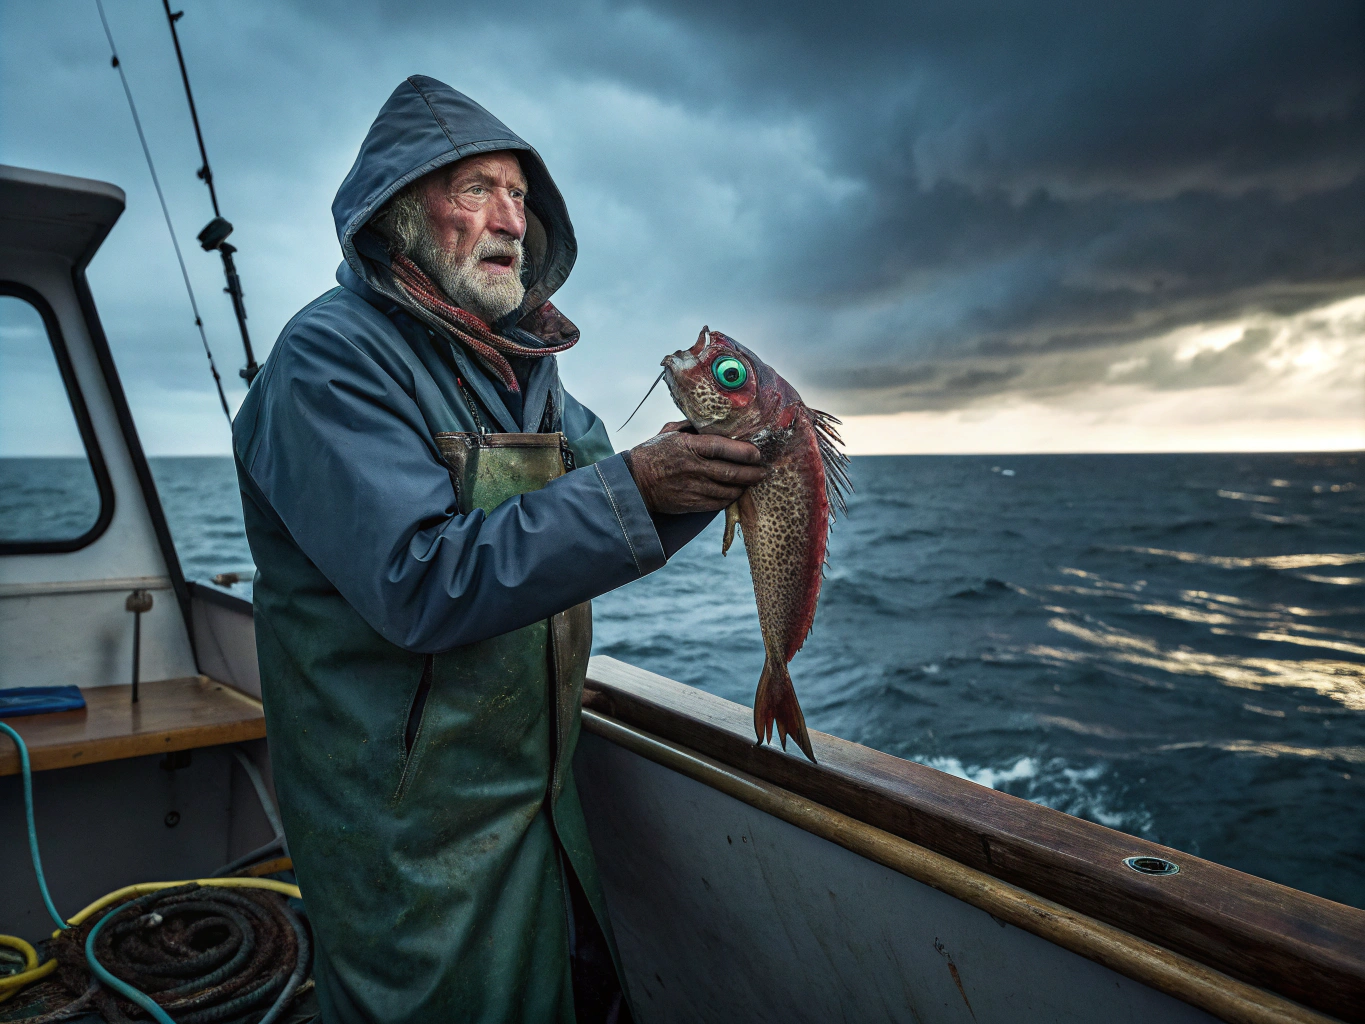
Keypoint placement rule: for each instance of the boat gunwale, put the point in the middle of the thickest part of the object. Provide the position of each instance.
(1228, 999)
(1306, 949)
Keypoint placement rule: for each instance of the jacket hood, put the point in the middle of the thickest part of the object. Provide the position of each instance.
(425, 124)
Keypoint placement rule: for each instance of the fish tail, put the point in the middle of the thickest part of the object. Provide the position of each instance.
(776, 703)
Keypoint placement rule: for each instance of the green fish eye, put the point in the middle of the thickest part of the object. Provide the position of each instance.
(730, 372)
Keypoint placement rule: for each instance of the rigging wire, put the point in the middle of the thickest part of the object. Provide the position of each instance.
(165, 211)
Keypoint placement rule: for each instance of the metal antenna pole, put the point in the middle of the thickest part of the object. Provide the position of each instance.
(214, 235)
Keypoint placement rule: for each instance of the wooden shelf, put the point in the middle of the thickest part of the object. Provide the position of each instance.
(171, 714)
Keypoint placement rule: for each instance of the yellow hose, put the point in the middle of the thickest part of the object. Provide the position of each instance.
(142, 888)
(31, 973)
(30, 954)
(11, 985)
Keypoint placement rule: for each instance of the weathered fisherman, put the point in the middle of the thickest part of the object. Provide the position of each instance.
(423, 636)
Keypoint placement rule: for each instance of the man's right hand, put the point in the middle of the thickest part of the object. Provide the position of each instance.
(681, 472)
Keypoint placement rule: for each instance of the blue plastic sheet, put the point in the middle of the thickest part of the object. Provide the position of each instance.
(39, 700)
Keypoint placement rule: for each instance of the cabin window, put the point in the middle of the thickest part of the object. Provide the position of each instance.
(54, 490)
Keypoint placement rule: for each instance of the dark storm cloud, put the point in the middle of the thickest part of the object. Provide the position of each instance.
(1019, 179)
(907, 205)
(1044, 177)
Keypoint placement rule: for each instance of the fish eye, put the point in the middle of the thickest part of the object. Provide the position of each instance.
(730, 372)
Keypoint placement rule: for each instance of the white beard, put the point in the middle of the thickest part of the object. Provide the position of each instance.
(490, 297)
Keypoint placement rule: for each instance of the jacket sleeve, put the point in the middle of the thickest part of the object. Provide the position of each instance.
(339, 451)
(588, 438)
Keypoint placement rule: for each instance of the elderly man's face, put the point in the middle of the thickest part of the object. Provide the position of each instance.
(481, 195)
(475, 221)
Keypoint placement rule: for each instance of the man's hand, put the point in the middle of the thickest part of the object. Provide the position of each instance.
(679, 471)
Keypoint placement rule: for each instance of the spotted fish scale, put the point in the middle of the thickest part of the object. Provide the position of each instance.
(723, 388)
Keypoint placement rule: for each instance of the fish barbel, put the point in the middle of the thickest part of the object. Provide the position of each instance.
(723, 388)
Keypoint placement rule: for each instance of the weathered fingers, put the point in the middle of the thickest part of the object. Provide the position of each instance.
(680, 472)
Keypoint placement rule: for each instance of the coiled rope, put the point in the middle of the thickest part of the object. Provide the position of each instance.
(215, 951)
(205, 954)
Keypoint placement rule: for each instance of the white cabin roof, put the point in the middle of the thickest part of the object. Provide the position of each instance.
(56, 213)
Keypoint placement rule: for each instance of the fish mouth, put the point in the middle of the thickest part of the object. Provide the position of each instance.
(686, 358)
(674, 366)
(679, 362)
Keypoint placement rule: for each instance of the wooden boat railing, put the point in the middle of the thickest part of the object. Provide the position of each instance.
(1240, 947)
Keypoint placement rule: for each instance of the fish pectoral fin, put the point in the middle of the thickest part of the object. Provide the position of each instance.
(731, 521)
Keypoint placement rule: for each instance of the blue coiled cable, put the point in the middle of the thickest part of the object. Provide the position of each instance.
(142, 999)
(32, 829)
(118, 984)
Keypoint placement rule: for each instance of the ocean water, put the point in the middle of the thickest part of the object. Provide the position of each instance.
(1169, 645)
(47, 499)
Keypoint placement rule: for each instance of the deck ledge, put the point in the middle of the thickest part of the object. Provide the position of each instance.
(171, 715)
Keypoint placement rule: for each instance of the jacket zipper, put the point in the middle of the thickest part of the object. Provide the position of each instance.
(473, 409)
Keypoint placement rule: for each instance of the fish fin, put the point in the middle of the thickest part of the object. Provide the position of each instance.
(776, 703)
(731, 521)
(833, 457)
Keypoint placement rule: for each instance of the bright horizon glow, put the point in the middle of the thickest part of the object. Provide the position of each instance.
(1034, 429)
(1303, 390)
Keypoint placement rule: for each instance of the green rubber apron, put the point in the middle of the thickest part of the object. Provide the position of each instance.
(429, 800)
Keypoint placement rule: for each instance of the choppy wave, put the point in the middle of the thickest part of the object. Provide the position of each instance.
(1335, 581)
(1084, 792)
(1345, 755)
(1341, 681)
(1308, 561)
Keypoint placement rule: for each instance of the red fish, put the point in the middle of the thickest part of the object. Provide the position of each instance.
(723, 388)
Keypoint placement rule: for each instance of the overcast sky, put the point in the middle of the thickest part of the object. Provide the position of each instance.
(964, 226)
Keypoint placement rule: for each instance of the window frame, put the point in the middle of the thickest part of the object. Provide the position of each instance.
(84, 425)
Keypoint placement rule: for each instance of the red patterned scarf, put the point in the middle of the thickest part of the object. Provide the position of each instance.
(546, 323)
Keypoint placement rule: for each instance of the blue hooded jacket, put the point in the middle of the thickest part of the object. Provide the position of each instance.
(334, 440)
(422, 703)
